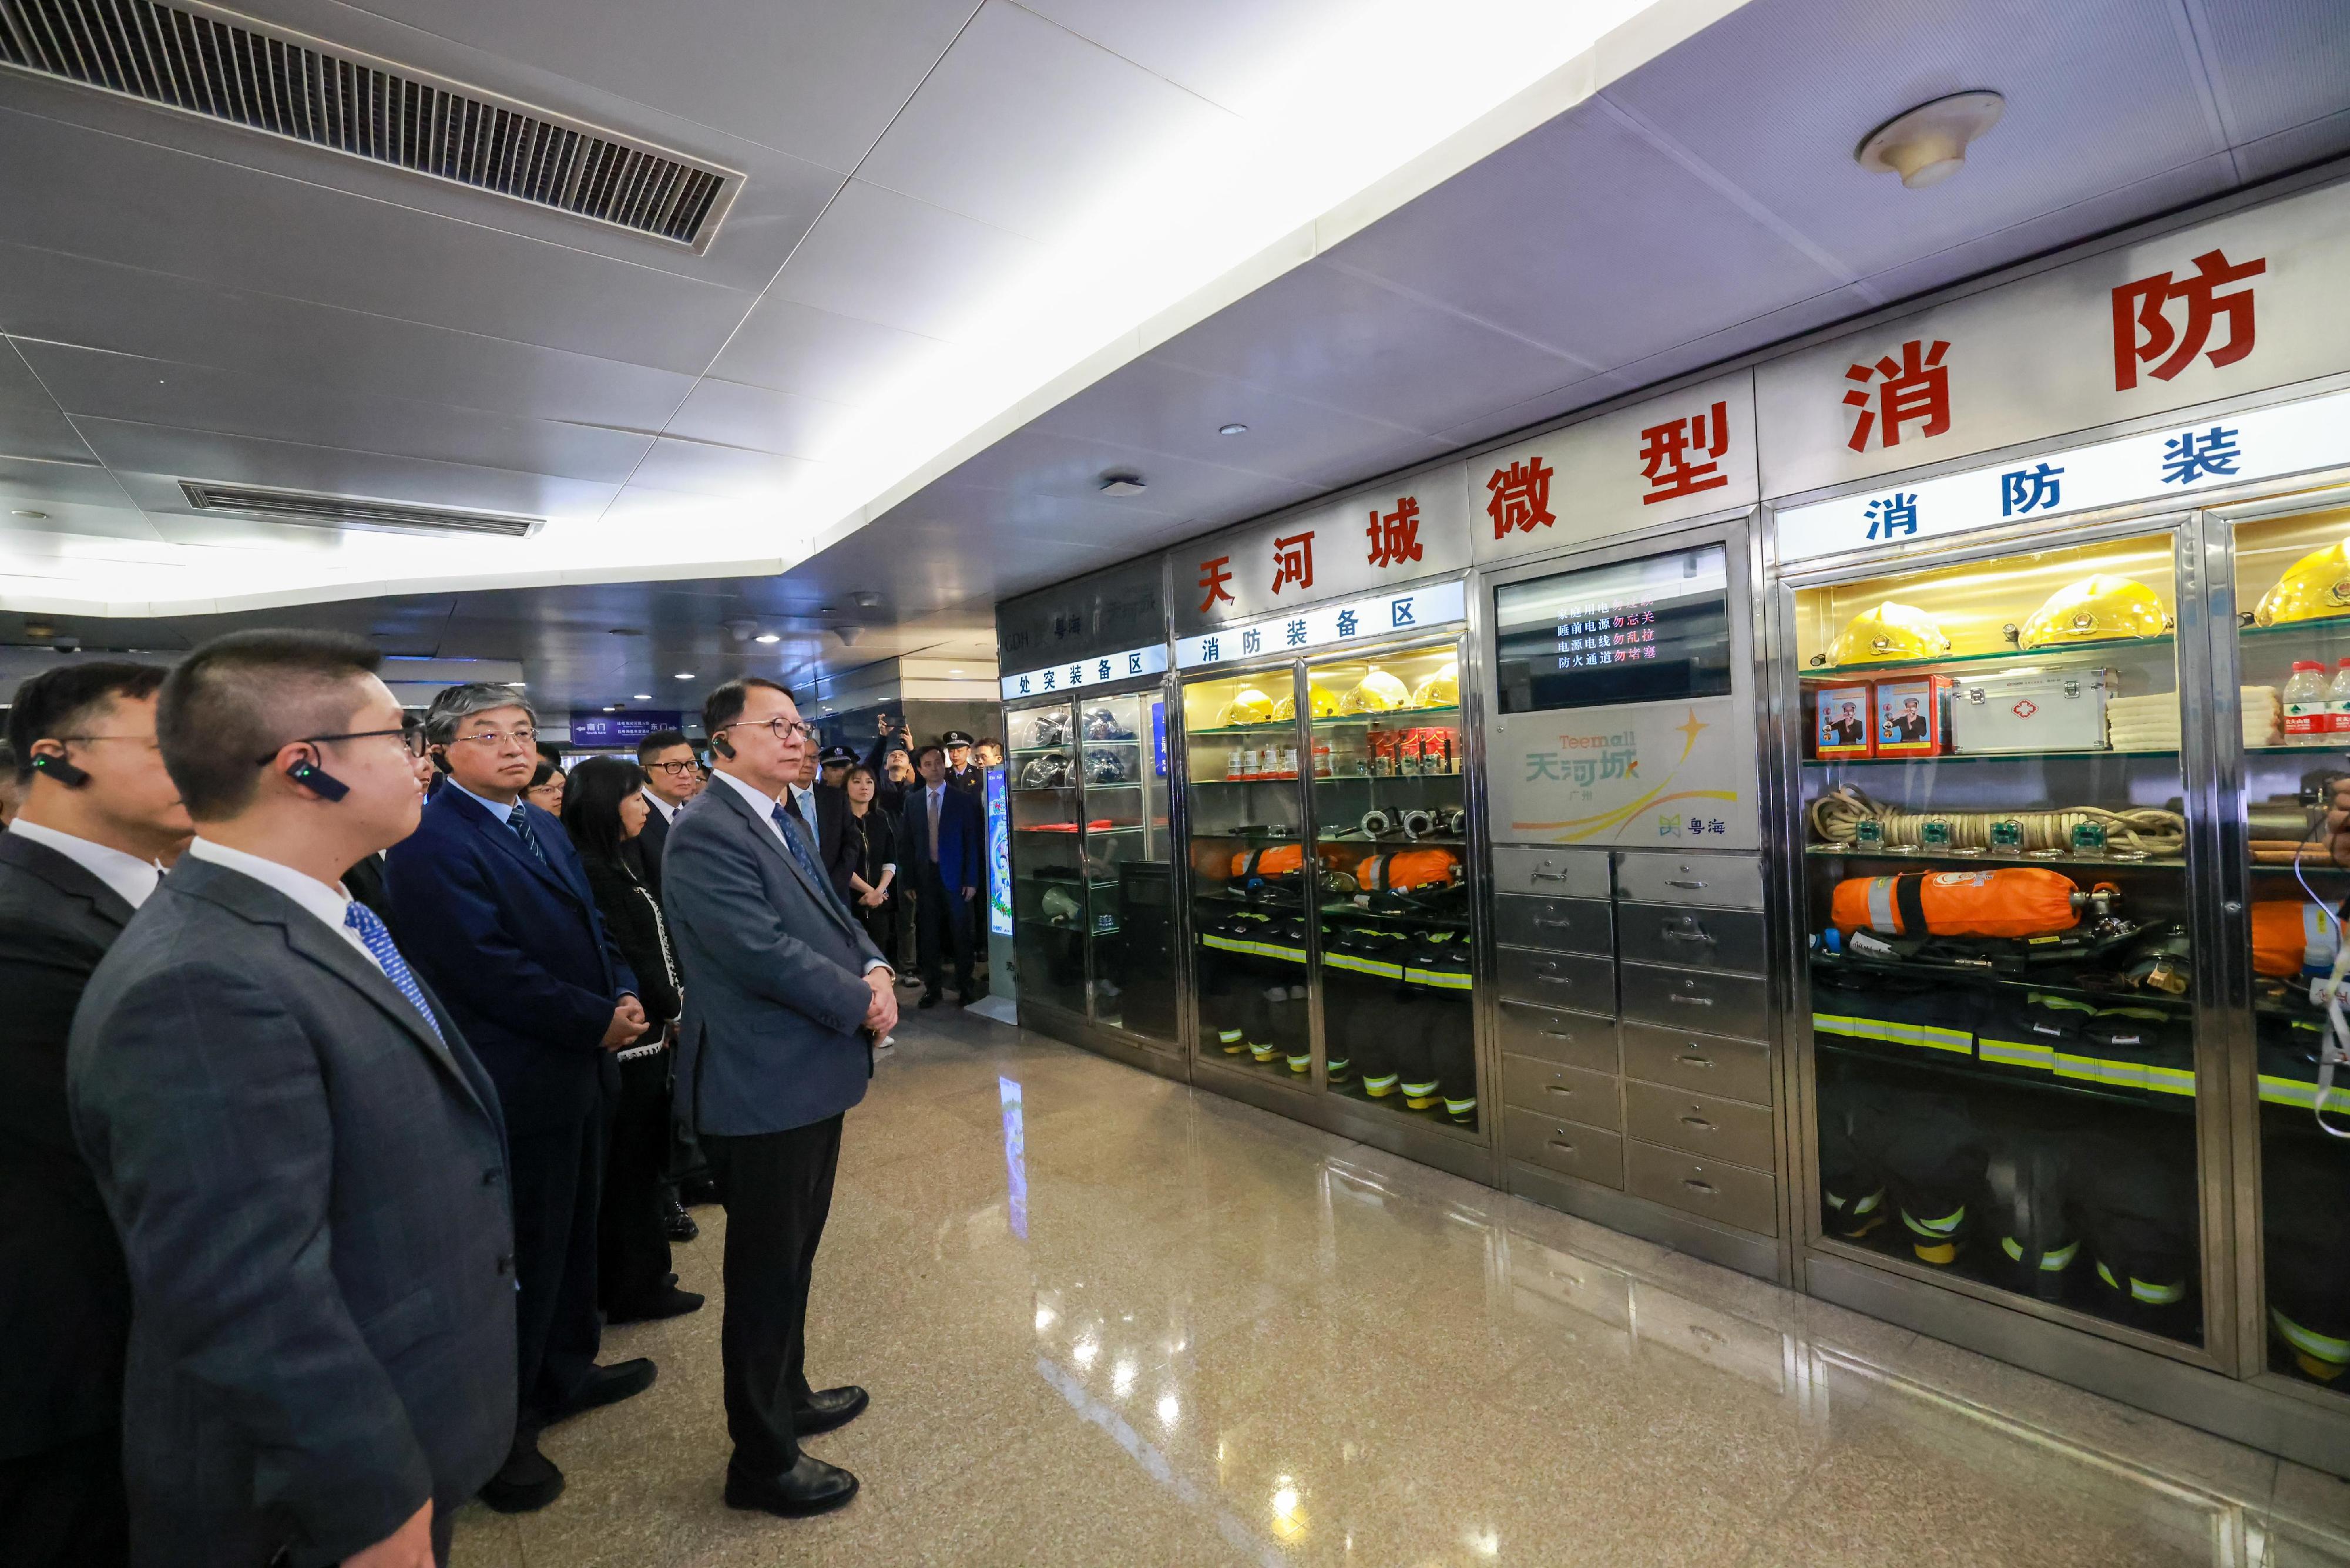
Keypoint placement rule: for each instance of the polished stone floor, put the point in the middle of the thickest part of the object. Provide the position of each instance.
(1110, 1322)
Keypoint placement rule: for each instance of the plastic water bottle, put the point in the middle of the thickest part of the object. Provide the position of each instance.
(2307, 721)
(2337, 701)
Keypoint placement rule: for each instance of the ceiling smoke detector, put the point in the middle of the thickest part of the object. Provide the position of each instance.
(1927, 144)
(865, 599)
(1122, 485)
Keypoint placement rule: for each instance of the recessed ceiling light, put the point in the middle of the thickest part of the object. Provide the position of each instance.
(685, 675)
(1121, 484)
(1232, 429)
(611, 710)
(768, 636)
(642, 697)
(35, 516)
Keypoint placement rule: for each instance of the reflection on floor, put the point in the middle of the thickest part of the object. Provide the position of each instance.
(1110, 1322)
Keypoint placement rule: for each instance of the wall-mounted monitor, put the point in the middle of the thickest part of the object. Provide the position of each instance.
(1648, 631)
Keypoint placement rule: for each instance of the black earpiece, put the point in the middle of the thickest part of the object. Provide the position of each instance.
(723, 746)
(316, 780)
(57, 768)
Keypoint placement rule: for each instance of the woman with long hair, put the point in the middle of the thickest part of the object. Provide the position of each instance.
(872, 833)
(604, 809)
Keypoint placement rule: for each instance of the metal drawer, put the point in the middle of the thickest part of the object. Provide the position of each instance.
(1568, 1147)
(1555, 924)
(1694, 938)
(1578, 1038)
(1559, 873)
(1714, 881)
(1741, 1348)
(1701, 1124)
(1558, 980)
(1740, 1069)
(1733, 1004)
(1593, 1291)
(1730, 1194)
(1548, 1090)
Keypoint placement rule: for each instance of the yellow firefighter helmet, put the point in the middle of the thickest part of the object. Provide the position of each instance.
(1888, 632)
(1248, 706)
(1377, 693)
(2097, 609)
(1320, 702)
(1442, 690)
(2317, 585)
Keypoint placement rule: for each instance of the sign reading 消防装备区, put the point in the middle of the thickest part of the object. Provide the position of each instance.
(2242, 304)
(1655, 775)
(1431, 606)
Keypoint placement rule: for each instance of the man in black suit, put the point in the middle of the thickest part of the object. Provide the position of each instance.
(943, 835)
(98, 812)
(672, 778)
(493, 907)
(295, 1144)
(823, 803)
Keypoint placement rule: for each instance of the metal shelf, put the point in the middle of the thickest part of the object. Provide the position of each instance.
(1978, 757)
(2070, 653)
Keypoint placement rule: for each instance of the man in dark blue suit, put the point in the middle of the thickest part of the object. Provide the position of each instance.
(493, 908)
(946, 837)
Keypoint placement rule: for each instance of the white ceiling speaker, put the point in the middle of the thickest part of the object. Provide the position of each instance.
(1927, 144)
(849, 635)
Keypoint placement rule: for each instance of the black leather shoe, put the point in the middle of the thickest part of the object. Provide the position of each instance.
(526, 1482)
(670, 1302)
(930, 999)
(676, 1224)
(809, 1486)
(608, 1385)
(827, 1409)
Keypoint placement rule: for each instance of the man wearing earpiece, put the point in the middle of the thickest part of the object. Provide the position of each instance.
(491, 905)
(98, 812)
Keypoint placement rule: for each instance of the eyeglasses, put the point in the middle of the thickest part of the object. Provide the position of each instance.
(674, 770)
(410, 734)
(525, 737)
(782, 728)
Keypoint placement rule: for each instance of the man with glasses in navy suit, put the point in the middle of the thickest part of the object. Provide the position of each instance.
(493, 908)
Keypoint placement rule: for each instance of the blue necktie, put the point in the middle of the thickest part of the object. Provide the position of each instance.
(789, 821)
(519, 820)
(376, 940)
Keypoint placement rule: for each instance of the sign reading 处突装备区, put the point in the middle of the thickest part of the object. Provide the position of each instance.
(1078, 674)
(1686, 454)
(1416, 528)
(1357, 620)
(1669, 774)
(2244, 302)
(2203, 453)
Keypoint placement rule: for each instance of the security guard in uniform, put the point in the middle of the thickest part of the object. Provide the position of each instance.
(961, 771)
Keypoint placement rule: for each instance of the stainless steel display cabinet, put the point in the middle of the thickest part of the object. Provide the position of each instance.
(1093, 926)
(2048, 1035)
(1332, 924)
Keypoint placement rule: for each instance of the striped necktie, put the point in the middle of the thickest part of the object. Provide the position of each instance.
(519, 820)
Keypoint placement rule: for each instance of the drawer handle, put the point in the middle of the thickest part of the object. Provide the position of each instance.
(1707, 1188)
(1694, 1061)
(1699, 1122)
(1559, 1088)
(1547, 978)
(1547, 876)
(1677, 882)
(1561, 1148)
(1689, 1001)
(1555, 1035)
(1699, 1331)
(1554, 925)
(1692, 932)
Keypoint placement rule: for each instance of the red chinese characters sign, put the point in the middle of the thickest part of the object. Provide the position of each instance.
(1215, 579)
(1670, 455)
(2143, 333)
(1395, 537)
(1521, 498)
(1293, 561)
(1914, 389)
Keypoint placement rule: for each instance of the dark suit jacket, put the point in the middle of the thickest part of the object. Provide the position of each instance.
(364, 881)
(64, 1300)
(774, 969)
(963, 838)
(635, 922)
(650, 844)
(835, 850)
(311, 1191)
(516, 950)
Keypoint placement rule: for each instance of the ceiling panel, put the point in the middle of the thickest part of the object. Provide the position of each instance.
(1340, 339)
(241, 228)
(82, 483)
(1584, 238)
(1029, 128)
(764, 420)
(1233, 53)
(2100, 94)
(196, 398)
(2295, 149)
(887, 258)
(797, 347)
(704, 468)
(37, 432)
(2275, 66)
(1039, 463)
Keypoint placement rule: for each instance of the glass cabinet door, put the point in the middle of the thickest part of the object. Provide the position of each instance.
(1052, 890)
(1996, 899)
(1131, 930)
(1390, 850)
(1249, 887)
(2293, 662)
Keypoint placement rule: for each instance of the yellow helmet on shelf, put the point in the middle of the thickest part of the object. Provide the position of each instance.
(2317, 585)
(1248, 706)
(1442, 690)
(2097, 609)
(1890, 631)
(1377, 693)
(1319, 701)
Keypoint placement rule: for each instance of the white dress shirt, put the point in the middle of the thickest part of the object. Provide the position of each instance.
(504, 814)
(765, 804)
(323, 899)
(668, 811)
(128, 875)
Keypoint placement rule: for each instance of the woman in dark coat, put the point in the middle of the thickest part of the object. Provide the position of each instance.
(604, 809)
(873, 874)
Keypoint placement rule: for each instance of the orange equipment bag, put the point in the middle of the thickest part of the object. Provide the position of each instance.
(2289, 935)
(1269, 860)
(2012, 901)
(1403, 868)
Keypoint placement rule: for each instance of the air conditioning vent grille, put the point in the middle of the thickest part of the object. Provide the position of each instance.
(311, 511)
(223, 70)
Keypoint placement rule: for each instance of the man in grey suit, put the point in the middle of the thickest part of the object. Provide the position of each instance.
(302, 1158)
(784, 993)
